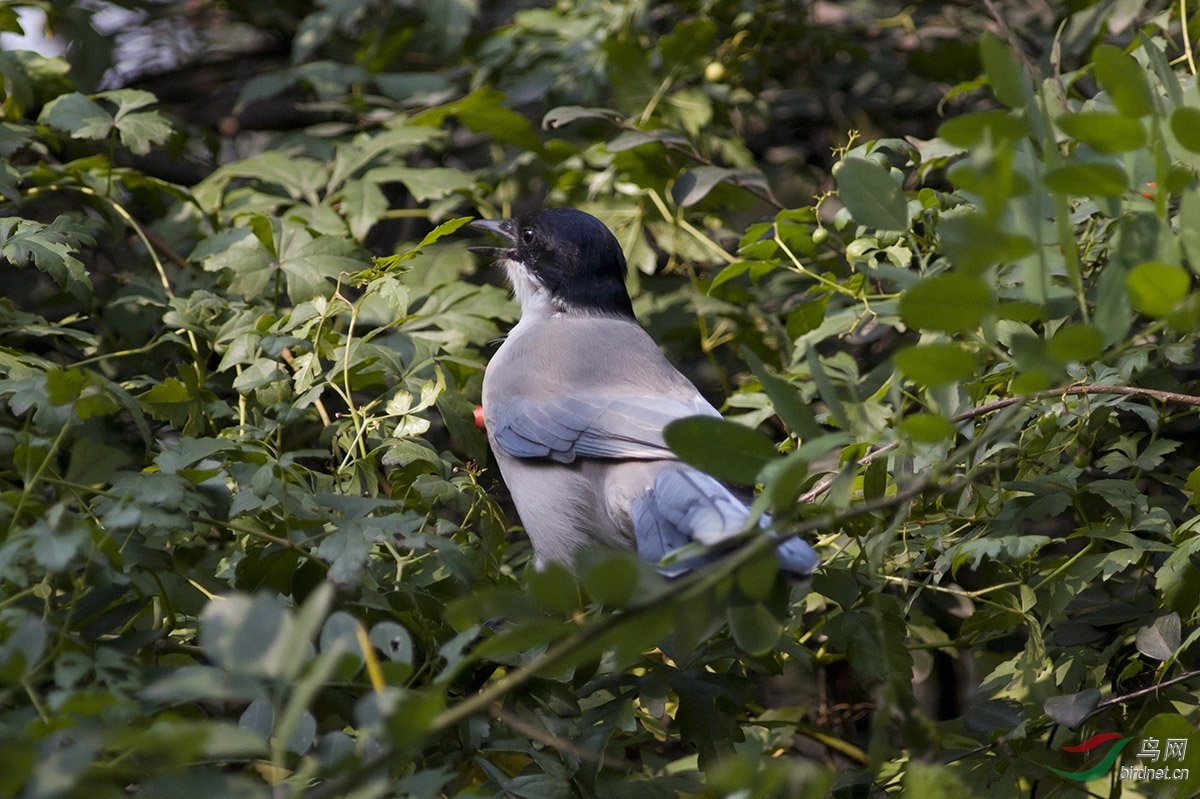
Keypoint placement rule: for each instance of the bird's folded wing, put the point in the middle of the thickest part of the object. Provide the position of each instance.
(570, 427)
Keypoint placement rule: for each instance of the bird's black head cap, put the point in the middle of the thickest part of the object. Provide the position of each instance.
(572, 254)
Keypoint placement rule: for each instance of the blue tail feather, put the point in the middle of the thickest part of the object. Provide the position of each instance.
(686, 505)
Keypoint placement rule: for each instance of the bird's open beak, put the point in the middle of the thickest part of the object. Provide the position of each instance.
(501, 227)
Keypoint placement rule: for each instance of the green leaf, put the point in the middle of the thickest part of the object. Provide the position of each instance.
(1155, 288)
(1176, 728)
(566, 114)
(483, 112)
(968, 130)
(1105, 132)
(1124, 79)
(785, 398)
(50, 248)
(302, 178)
(927, 428)
(930, 781)
(1071, 710)
(245, 634)
(432, 183)
(975, 242)
(948, 302)
(171, 390)
(826, 389)
(935, 364)
(754, 629)
(807, 317)
(1009, 81)
(636, 138)
(138, 130)
(609, 575)
(721, 448)
(1160, 639)
(1193, 485)
(393, 640)
(1088, 179)
(689, 40)
(993, 715)
(1185, 124)
(1178, 579)
(870, 194)
(77, 115)
(554, 588)
(695, 184)
(363, 204)
(444, 229)
(1081, 342)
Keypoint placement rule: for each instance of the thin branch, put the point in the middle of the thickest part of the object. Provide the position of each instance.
(535, 733)
(1105, 705)
(1138, 694)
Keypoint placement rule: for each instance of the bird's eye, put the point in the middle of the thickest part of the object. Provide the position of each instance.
(527, 235)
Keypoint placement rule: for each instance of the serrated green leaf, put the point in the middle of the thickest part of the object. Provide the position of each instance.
(431, 183)
(78, 115)
(50, 248)
(141, 131)
(483, 112)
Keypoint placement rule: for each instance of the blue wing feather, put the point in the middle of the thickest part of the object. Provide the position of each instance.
(686, 505)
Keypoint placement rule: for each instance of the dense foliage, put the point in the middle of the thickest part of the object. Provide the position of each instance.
(251, 543)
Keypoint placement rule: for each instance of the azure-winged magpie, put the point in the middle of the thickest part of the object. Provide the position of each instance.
(575, 401)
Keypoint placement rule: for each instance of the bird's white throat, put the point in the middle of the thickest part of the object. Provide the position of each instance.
(534, 299)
